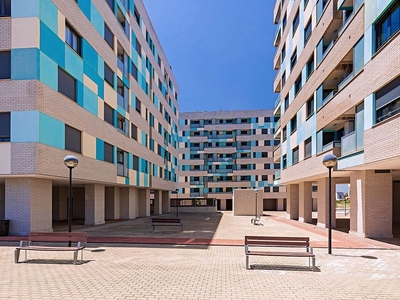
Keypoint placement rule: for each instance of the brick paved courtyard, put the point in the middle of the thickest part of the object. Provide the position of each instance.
(171, 270)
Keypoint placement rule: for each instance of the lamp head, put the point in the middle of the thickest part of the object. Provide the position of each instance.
(71, 161)
(329, 161)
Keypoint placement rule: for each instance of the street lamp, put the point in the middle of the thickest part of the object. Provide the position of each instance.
(330, 161)
(71, 162)
(176, 202)
(256, 207)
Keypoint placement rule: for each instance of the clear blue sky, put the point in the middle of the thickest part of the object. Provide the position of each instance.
(221, 51)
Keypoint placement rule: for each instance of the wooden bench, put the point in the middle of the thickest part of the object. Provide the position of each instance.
(263, 245)
(80, 238)
(166, 222)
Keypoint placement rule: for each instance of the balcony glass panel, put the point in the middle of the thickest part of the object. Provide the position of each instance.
(349, 143)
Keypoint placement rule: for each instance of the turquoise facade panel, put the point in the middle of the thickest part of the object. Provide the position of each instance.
(85, 6)
(79, 93)
(99, 149)
(25, 63)
(130, 161)
(97, 20)
(24, 126)
(49, 15)
(51, 45)
(48, 71)
(24, 8)
(73, 63)
(51, 131)
(127, 180)
(89, 55)
(90, 101)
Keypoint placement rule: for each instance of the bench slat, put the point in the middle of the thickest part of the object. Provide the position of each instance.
(46, 248)
(294, 254)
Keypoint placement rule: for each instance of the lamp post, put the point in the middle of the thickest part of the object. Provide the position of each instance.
(256, 207)
(330, 161)
(176, 202)
(71, 162)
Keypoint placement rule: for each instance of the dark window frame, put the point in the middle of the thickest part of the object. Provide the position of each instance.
(66, 88)
(73, 33)
(5, 126)
(73, 139)
(5, 63)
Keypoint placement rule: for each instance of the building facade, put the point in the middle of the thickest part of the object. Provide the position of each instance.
(227, 150)
(87, 78)
(338, 81)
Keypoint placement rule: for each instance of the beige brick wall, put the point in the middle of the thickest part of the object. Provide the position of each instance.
(28, 205)
(5, 34)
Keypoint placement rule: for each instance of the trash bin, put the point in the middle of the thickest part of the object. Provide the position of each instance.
(4, 227)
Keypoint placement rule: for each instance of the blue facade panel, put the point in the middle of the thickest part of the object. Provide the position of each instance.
(24, 126)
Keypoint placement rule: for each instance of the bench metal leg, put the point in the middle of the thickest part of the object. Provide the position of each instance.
(313, 264)
(82, 255)
(247, 262)
(75, 257)
(16, 255)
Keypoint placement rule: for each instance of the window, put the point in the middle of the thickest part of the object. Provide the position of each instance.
(310, 66)
(108, 75)
(138, 47)
(310, 106)
(275, 189)
(111, 4)
(72, 139)
(267, 143)
(293, 124)
(72, 39)
(283, 53)
(108, 152)
(66, 84)
(295, 153)
(136, 15)
(264, 131)
(108, 114)
(295, 22)
(122, 124)
(264, 154)
(5, 127)
(138, 106)
(134, 71)
(264, 177)
(305, 3)
(5, 8)
(286, 103)
(284, 161)
(134, 131)
(297, 85)
(267, 166)
(5, 63)
(284, 21)
(283, 79)
(293, 59)
(108, 36)
(284, 133)
(307, 31)
(267, 189)
(388, 100)
(388, 25)
(308, 147)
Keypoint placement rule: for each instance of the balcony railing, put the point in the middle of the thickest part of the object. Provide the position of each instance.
(277, 125)
(349, 143)
(345, 80)
(331, 145)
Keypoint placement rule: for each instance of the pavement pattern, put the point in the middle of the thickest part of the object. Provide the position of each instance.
(124, 260)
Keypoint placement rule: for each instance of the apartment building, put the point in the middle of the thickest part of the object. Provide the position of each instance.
(220, 151)
(86, 78)
(338, 80)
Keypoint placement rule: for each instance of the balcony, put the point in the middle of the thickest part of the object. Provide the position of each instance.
(278, 35)
(331, 145)
(277, 153)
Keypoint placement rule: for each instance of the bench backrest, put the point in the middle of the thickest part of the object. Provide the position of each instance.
(165, 220)
(58, 237)
(277, 241)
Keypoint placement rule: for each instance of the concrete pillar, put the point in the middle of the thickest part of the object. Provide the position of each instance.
(305, 202)
(60, 203)
(2, 201)
(280, 204)
(144, 202)
(323, 201)
(158, 202)
(371, 204)
(112, 202)
(292, 201)
(94, 204)
(28, 205)
(166, 203)
(129, 198)
(396, 201)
